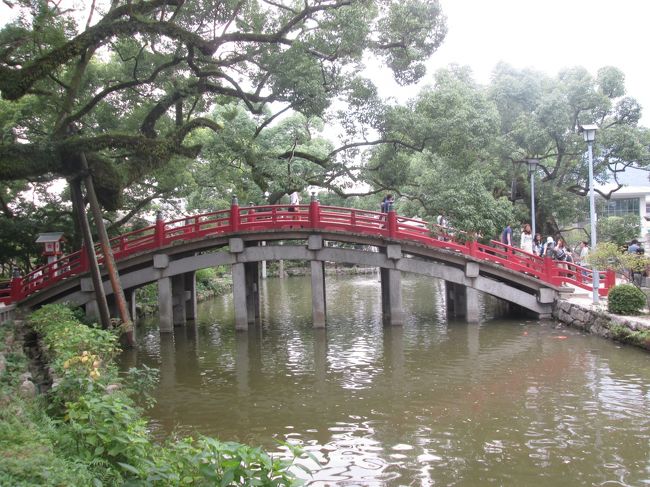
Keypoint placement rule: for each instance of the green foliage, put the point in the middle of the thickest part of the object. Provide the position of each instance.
(130, 90)
(609, 255)
(207, 461)
(623, 334)
(625, 299)
(460, 127)
(98, 436)
(106, 426)
(618, 229)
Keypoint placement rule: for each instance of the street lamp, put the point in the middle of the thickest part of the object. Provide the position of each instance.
(532, 167)
(589, 133)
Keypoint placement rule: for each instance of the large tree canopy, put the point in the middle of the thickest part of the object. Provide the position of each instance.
(128, 84)
(466, 130)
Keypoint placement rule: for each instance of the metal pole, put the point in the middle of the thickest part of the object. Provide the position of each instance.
(532, 200)
(592, 216)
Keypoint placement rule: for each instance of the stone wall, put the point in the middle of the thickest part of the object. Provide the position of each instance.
(624, 329)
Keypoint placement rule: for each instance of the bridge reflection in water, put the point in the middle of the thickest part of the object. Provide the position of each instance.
(432, 402)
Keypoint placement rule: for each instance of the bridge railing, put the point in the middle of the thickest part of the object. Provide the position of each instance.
(324, 218)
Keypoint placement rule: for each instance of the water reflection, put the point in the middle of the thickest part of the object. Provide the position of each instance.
(430, 403)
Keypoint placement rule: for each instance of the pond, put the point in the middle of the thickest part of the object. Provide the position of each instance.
(434, 402)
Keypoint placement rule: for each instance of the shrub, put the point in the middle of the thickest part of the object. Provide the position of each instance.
(100, 437)
(626, 299)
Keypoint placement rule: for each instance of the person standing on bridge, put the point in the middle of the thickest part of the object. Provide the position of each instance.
(294, 200)
(387, 203)
(549, 247)
(506, 236)
(526, 242)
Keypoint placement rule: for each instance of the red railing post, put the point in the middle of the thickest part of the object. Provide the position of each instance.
(472, 246)
(234, 214)
(314, 211)
(392, 223)
(159, 235)
(549, 275)
(610, 280)
(16, 286)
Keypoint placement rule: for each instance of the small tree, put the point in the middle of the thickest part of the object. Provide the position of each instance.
(618, 229)
(608, 255)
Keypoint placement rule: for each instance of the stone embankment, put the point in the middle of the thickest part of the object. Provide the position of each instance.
(634, 330)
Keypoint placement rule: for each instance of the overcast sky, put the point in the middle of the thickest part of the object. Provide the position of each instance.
(548, 36)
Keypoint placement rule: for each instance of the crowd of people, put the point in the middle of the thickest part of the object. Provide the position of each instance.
(553, 247)
(556, 247)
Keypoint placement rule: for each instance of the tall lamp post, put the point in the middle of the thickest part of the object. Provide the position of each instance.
(589, 133)
(532, 168)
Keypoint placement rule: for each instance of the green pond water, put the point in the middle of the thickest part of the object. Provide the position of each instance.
(435, 402)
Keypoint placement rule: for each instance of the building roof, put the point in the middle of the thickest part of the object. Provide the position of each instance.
(49, 237)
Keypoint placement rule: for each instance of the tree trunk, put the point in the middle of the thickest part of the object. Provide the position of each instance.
(109, 262)
(79, 208)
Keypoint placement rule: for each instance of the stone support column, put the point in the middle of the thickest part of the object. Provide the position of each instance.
(391, 297)
(252, 292)
(190, 291)
(178, 303)
(263, 271)
(239, 296)
(318, 293)
(473, 305)
(165, 307)
(92, 310)
(130, 296)
(237, 247)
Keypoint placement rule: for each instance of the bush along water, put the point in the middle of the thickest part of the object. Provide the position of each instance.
(89, 430)
(625, 299)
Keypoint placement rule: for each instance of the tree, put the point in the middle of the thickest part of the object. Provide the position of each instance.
(455, 129)
(128, 89)
(540, 119)
(446, 159)
(619, 230)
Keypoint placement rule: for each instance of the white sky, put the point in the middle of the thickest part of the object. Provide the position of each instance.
(547, 36)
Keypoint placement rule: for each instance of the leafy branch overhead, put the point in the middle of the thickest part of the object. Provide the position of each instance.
(129, 86)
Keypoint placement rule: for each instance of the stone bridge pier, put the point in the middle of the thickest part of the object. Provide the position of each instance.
(177, 292)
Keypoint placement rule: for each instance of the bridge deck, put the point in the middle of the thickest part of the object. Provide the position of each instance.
(389, 227)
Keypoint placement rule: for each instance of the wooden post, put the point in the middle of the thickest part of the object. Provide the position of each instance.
(88, 253)
(234, 214)
(392, 223)
(314, 211)
(159, 235)
(109, 262)
(16, 286)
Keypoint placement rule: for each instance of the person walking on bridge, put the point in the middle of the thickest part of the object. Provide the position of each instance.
(506, 236)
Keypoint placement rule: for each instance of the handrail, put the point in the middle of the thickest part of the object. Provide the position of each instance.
(310, 216)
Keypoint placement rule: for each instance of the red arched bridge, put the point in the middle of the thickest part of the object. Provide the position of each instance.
(428, 242)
